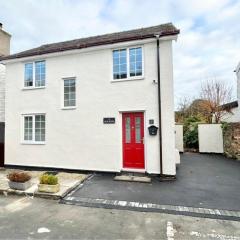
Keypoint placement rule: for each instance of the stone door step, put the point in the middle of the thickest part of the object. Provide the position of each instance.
(129, 178)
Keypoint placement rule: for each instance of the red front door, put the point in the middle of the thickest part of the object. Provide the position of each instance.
(133, 140)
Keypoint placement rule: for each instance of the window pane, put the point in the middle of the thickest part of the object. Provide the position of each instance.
(123, 60)
(28, 75)
(40, 73)
(28, 128)
(39, 128)
(128, 129)
(123, 68)
(116, 69)
(116, 54)
(138, 130)
(135, 59)
(120, 64)
(69, 92)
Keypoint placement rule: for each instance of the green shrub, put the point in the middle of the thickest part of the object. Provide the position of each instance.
(225, 126)
(190, 137)
(190, 132)
(48, 179)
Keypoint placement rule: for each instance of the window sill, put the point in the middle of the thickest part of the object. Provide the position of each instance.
(32, 88)
(33, 143)
(128, 79)
(69, 108)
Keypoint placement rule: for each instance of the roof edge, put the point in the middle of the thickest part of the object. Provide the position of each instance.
(38, 51)
(230, 105)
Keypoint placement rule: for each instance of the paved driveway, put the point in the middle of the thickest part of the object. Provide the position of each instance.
(35, 218)
(203, 181)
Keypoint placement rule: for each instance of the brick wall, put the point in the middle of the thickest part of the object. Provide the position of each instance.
(231, 139)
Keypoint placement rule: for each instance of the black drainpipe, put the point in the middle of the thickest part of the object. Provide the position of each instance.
(159, 106)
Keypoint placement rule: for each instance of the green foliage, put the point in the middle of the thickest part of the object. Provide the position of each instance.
(225, 126)
(48, 179)
(190, 135)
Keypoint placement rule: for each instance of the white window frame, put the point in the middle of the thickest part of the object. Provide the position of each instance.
(33, 141)
(128, 78)
(62, 94)
(34, 69)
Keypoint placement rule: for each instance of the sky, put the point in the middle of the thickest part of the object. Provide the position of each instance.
(208, 46)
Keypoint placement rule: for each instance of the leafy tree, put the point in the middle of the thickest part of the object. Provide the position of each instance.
(215, 94)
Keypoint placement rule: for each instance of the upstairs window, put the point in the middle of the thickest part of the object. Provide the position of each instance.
(135, 55)
(40, 74)
(127, 63)
(120, 64)
(28, 81)
(69, 86)
(35, 74)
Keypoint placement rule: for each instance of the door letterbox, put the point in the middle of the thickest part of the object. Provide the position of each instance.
(152, 130)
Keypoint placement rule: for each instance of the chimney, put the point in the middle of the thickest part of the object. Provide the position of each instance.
(4, 42)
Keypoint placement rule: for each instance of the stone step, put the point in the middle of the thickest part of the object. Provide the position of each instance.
(131, 178)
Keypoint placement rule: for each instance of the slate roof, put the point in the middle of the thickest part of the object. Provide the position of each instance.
(229, 106)
(136, 34)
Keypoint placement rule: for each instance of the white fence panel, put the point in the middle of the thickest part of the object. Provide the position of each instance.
(179, 137)
(210, 138)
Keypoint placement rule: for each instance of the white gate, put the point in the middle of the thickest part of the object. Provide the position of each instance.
(210, 138)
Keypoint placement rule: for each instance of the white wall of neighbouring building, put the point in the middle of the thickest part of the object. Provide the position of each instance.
(77, 138)
(210, 138)
(179, 137)
(2, 92)
(234, 116)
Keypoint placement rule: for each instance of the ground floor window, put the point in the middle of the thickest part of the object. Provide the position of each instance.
(34, 128)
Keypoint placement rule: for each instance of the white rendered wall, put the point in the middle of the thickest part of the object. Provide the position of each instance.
(78, 139)
(238, 81)
(210, 138)
(177, 157)
(2, 92)
(234, 116)
(179, 137)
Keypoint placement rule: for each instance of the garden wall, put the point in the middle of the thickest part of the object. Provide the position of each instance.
(231, 139)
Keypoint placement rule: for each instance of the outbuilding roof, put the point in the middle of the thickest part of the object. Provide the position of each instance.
(229, 106)
(136, 34)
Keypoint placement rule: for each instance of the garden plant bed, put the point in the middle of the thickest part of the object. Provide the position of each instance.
(67, 181)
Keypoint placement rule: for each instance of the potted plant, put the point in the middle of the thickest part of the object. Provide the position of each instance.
(19, 180)
(48, 183)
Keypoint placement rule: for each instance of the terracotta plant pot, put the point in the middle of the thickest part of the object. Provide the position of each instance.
(48, 188)
(19, 185)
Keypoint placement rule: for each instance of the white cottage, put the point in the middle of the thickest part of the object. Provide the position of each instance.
(4, 50)
(234, 107)
(87, 104)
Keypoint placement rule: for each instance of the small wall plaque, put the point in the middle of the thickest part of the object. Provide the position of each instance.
(109, 120)
(151, 121)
